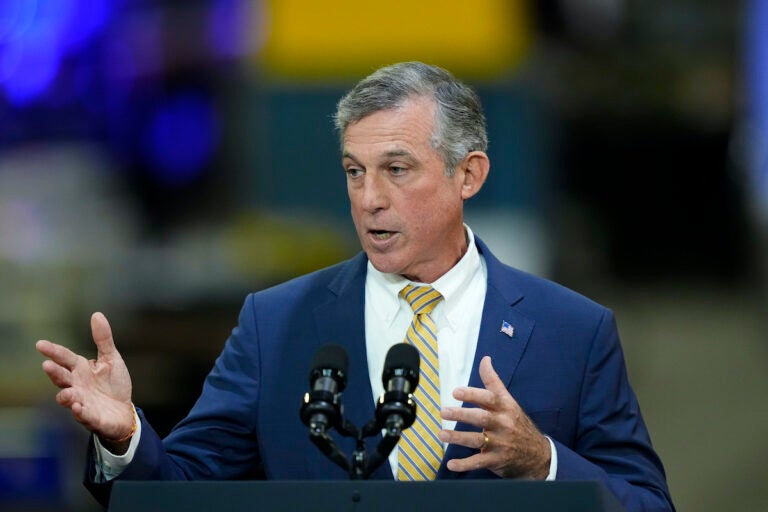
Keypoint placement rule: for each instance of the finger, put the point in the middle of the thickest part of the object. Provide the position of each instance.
(67, 397)
(102, 335)
(472, 415)
(469, 439)
(480, 397)
(57, 353)
(57, 373)
(471, 463)
(77, 412)
(80, 413)
(490, 378)
(492, 396)
(501, 398)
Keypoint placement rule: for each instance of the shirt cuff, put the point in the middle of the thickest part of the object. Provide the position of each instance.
(108, 465)
(553, 460)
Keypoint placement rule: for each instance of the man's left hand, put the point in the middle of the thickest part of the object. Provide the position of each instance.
(515, 447)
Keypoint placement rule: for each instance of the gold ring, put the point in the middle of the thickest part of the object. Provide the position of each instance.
(486, 442)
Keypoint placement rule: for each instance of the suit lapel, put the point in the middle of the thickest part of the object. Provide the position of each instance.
(341, 319)
(504, 349)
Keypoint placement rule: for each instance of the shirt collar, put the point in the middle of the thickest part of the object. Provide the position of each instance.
(386, 287)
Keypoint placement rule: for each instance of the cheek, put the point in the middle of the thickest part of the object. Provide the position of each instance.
(435, 205)
(429, 219)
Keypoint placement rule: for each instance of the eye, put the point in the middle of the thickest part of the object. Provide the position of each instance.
(353, 172)
(397, 171)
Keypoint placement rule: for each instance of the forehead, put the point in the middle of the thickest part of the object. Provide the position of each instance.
(411, 123)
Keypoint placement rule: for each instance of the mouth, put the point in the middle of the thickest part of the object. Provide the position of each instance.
(381, 234)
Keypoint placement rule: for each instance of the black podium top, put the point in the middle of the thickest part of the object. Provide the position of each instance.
(368, 496)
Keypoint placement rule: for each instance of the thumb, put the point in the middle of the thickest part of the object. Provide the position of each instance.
(493, 383)
(490, 378)
(102, 335)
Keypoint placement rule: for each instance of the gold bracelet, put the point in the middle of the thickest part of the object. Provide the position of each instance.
(130, 434)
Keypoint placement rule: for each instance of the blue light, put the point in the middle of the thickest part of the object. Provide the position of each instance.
(28, 68)
(16, 16)
(757, 50)
(35, 35)
(182, 137)
(80, 20)
(757, 84)
(229, 27)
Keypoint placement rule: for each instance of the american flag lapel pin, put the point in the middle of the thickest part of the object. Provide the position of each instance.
(507, 328)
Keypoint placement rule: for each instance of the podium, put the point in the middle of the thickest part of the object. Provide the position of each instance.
(363, 495)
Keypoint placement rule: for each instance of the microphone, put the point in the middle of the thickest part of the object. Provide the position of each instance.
(396, 410)
(321, 408)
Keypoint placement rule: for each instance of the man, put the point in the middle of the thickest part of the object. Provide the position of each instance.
(526, 379)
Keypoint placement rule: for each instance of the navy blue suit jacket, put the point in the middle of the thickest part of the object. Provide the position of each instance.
(563, 364)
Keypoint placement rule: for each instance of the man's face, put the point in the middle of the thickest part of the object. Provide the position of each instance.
(407, 212)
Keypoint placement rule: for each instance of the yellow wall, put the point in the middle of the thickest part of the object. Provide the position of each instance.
(335, 39)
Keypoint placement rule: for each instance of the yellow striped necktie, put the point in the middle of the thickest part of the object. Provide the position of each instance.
(420, 451)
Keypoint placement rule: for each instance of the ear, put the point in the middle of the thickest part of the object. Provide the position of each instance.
(473, 171)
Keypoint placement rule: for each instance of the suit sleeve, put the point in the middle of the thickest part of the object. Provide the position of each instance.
(217, 440)
(612, 442)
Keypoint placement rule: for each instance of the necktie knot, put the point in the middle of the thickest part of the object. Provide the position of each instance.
(422, 299)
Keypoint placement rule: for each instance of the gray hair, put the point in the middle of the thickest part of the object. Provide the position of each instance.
(459, 121)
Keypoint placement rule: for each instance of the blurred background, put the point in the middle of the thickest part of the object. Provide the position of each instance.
(161, 159)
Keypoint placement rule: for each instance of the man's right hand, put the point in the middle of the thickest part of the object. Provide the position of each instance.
(97, 391)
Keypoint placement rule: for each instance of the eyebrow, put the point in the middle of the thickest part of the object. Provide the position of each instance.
(387, 154)
(397, 152)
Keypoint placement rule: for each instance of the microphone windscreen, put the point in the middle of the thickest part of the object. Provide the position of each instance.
(403, 361)
(329, 357)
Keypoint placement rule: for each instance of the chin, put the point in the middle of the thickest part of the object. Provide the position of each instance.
(385, 265)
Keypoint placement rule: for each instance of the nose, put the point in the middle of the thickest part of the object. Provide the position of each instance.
(373, 194)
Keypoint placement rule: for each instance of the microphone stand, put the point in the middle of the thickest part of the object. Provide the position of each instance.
(329, 448)
(361, 466)
(383, 449)
(391, 416)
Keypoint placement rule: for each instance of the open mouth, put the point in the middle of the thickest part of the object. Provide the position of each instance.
(381, 235)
